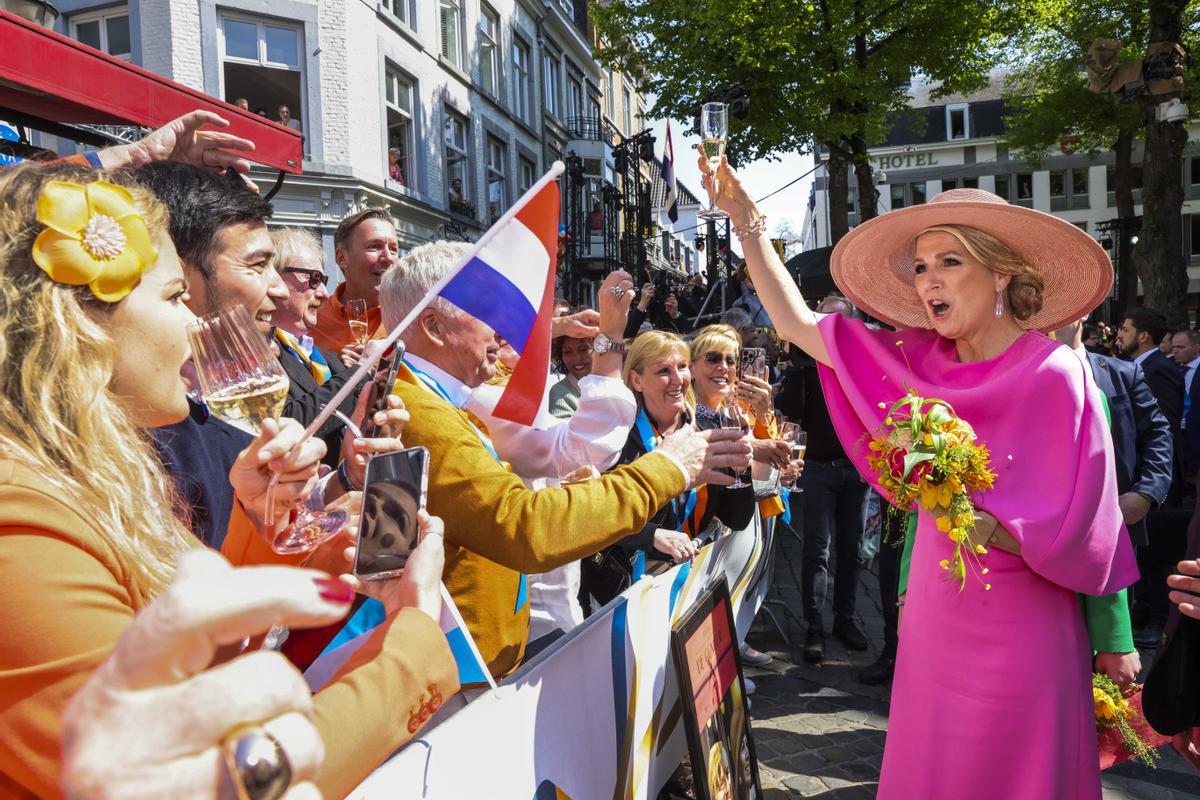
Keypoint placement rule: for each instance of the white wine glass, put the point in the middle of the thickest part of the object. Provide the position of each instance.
(714, 130)
(242, 383)
(731, 418)
(356, 315)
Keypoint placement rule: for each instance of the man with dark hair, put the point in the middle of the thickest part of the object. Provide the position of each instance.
(364, 246)
(219, 229)
(1137, 340)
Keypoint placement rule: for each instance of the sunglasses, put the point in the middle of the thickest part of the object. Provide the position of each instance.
(315, 278)
(715, 359)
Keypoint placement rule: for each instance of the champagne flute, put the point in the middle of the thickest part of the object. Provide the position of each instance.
(731, 418)
(242, 383)
(798, 439)
(714, 129)
(356, 313)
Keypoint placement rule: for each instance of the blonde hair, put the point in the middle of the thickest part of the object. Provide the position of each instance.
(715, 337)
(653, 346)
(1024, 292)
(57, 415)
(292, 242)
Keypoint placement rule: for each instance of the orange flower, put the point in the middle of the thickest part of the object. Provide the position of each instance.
(95, 236)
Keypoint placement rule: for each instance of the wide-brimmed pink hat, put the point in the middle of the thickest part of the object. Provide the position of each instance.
(873, 265)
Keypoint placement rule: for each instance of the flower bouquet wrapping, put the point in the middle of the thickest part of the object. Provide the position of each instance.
(1121, 727)
(925, 453)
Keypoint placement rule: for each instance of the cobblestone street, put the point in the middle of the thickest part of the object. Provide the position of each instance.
(820, 734)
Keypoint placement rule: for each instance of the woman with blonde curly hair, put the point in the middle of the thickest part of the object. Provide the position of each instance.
(92, 320)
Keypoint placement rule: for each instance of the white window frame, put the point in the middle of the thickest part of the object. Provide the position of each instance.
(522, 80)
(459, 45)
(610, 95)
(526, 168)
(102, 16)
(402, 82)
(404, 15)
(496, 156)
(575, 95)
(627, 109)
(464, 153)
(552, 82)
(965, 109)
(489, 49)
(262, 22)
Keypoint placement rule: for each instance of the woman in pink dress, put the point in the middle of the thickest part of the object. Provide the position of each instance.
(992, 693)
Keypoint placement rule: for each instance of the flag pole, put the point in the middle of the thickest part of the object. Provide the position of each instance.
(370, 360)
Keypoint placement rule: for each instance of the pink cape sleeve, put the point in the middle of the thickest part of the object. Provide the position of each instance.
(1040, 415)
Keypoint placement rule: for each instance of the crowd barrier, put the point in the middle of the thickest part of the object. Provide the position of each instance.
(595, 716)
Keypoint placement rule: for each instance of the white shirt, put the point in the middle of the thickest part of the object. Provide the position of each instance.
(594, 435)
(1189, 374)
(458, 391)
(1144, 356)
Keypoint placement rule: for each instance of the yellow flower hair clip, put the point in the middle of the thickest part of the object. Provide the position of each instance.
(95, 236)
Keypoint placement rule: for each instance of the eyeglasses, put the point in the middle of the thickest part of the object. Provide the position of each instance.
(315, 277)
(715, 359)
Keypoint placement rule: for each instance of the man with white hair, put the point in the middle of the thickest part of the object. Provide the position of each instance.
(497, 529)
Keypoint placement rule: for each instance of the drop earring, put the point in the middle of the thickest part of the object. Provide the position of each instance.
(999, 305)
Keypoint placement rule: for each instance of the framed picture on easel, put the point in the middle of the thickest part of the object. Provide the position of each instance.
(704, 647)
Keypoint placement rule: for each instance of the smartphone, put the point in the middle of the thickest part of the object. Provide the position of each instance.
(381, 386)
(393, 492)
(754, 362)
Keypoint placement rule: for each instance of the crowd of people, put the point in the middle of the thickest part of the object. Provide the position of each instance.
(153, 638)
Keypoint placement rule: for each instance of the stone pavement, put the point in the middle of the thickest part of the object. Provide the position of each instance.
(819, 733)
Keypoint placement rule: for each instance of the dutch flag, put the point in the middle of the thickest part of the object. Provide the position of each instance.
(671, 197)
(508, 283)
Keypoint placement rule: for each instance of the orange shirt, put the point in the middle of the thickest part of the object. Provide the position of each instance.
(332, 331)
(68, 597)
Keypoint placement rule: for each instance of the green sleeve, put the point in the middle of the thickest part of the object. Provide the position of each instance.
(910, 533)
(1108, 625)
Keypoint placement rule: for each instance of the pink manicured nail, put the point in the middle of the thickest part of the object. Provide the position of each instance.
(333, 590)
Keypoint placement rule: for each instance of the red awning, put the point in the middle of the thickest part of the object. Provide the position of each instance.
(47, 75)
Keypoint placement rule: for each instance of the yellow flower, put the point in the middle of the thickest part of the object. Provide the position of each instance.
(95, 236)
(1106, 709)
(943, 524)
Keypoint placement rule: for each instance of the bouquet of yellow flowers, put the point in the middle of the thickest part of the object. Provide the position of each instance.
(1119, 718)
(925, 453)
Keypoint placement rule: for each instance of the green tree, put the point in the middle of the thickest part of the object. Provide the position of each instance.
(821, 73)
(1051, 104)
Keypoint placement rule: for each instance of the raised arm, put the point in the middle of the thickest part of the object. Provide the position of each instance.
(794, 320)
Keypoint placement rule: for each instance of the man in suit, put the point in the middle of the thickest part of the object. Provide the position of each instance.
(314, 374)
(1137, 340)
(1185, 349)
(497, 529)
(1143, 455)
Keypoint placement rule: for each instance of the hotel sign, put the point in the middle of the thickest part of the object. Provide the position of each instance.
(907, 161)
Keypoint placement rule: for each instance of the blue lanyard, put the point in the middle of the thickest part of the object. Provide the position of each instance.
(649, 442)
(436, 388)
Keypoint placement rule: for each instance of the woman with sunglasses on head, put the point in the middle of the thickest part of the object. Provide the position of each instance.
(716, 353)
(314, 375)
(657, 371)
(92, 326)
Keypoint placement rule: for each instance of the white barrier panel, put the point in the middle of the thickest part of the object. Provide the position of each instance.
(595, 716)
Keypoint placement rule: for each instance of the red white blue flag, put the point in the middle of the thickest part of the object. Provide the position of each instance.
(509, 284)
(671, 197)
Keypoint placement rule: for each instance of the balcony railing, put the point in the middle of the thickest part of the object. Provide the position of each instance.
(590, 129)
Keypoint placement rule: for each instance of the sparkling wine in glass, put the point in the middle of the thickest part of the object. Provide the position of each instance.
(356, 313)
(731, 418)
(242, 383)
(714, 130)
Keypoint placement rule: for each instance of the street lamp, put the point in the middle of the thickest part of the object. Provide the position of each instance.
(36, 11)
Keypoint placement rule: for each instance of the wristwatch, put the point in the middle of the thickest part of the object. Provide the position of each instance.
(603, 344)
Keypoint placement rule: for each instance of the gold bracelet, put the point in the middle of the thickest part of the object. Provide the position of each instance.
(750, 229)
